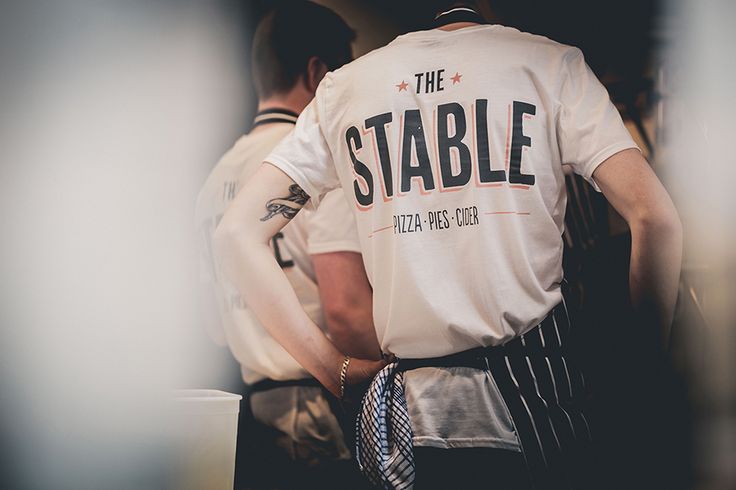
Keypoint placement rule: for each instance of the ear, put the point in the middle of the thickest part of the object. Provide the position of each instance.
(316, 70)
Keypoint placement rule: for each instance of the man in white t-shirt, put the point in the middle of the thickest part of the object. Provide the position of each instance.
(449, 144)
(287, 417)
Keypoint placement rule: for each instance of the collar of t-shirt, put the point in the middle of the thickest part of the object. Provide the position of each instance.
(457, 14)
(275, 115)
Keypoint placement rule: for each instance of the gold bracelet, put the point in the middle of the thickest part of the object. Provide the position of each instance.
(343, 375)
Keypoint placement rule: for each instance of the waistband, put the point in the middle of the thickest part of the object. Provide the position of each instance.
(270, 384)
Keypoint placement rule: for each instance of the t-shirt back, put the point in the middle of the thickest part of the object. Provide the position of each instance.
(453, 166)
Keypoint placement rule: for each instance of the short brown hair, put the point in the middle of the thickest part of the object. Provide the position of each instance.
(289, 36)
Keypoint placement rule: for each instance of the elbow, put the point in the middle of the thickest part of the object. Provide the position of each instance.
(224, 236)
(664, 224)
(345, 322)
(229, 237)
(339, 317)
(351, 330)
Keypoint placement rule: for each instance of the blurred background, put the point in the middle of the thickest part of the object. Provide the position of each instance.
(113, 113)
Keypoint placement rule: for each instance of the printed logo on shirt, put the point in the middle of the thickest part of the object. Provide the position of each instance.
(282, 258)
(229, 189)
(453, 163)
(430, 81)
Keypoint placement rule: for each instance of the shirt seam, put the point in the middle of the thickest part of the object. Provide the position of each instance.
(296, 175)
(604, 155)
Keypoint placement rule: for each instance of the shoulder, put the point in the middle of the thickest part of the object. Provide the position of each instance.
(356, 69)
(233, 168)
(527, 40)
(229, 159)
(367, 60)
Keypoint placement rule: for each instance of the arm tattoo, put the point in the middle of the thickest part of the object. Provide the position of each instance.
(287, 206)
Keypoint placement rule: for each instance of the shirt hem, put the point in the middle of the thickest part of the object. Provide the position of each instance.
(466, 442)
(298, 177)
(336, 246)
(604, 155)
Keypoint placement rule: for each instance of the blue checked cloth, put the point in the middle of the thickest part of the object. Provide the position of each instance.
(383, 445)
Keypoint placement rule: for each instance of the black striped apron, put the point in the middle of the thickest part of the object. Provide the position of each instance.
(545, 393)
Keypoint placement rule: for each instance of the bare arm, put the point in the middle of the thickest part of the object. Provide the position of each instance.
(267, 202)
(347, 301)
(634, 191)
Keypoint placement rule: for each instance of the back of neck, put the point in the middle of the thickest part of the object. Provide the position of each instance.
(295, 100)
(457, 25)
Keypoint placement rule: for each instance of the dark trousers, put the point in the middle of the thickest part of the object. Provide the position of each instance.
(260, 464)
(470, 468)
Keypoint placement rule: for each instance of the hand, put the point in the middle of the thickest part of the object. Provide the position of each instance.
(362, 371)
(359, 376)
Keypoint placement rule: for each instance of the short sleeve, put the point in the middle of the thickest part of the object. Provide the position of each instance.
(332, 226)
(589, 128)
(304, 154)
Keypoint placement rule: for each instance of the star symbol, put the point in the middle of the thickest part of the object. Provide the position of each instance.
(456, 78)
(402, 86)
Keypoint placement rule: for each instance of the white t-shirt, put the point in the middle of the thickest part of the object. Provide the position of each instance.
(330, 228)
(453, 164)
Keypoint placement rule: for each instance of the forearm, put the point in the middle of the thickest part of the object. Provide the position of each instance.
(636, 193)
(265, 289)
(267, 202)
(656, 255)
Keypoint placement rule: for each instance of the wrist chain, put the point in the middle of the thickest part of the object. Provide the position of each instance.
(343, 375)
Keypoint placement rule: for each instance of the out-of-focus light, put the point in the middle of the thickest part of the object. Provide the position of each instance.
(113, 113)
(697, 84)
